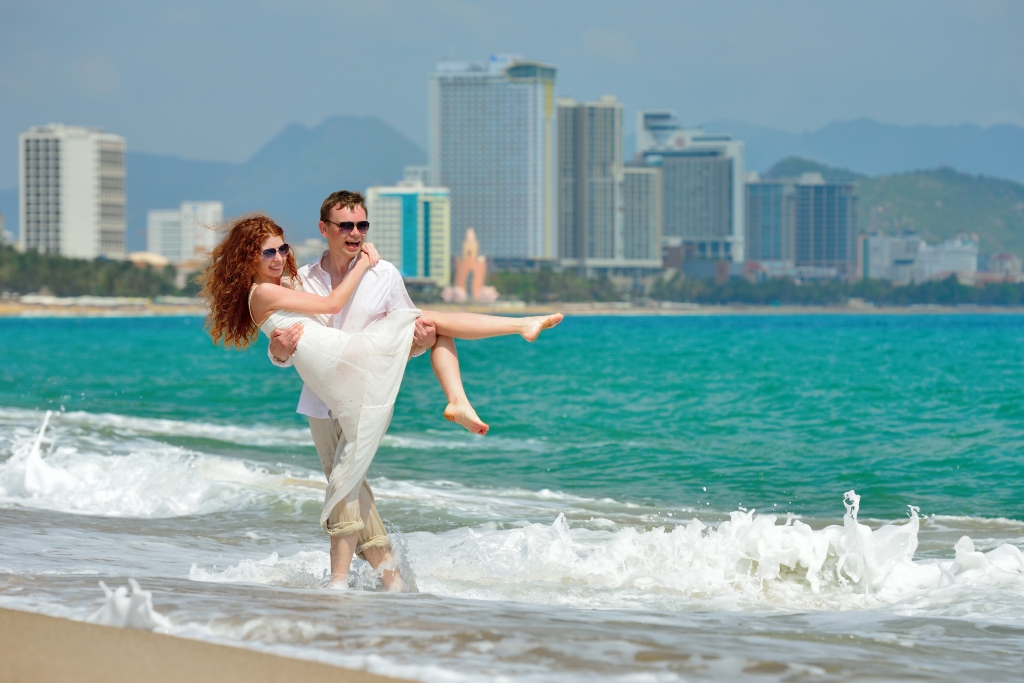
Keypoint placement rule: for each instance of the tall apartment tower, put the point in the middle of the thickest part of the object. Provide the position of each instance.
(590, 169)
(702, 187)
(186, 233)
(803, 226)
(771, 224)
(492, 144)
(71, 198)
(642, 220)
(411, 228)
(826, 227)
(605, 219)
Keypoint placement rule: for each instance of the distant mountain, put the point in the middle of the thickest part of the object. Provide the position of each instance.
(936, 204)
(9, 208)
(288, 177)
(873, 148)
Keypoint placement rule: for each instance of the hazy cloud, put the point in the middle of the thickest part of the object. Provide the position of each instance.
(96, 76)
(609, 45)
(216, 79)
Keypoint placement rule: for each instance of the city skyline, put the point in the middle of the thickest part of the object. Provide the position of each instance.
(146, 73)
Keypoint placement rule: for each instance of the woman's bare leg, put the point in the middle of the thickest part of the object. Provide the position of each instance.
(444, 358)
(461, 325)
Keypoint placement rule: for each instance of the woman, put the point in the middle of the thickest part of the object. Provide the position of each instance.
(249, 287)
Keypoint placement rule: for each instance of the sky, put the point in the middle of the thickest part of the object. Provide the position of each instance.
(216, 79)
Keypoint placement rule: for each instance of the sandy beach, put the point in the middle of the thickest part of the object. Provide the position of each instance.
(43, 649)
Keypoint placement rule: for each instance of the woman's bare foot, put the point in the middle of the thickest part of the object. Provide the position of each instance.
(338, 583)
(534, 326)
(463, 414)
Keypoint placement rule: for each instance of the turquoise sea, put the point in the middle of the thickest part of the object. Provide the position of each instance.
(659, 498)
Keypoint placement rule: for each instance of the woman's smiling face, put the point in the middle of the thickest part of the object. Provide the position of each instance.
(270, 269)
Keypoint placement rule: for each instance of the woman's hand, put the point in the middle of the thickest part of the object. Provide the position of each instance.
(371, 254)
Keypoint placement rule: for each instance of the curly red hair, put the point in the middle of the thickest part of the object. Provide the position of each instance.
(229, 277)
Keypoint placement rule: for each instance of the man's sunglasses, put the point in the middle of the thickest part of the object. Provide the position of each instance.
(348, 226)
(269, 254)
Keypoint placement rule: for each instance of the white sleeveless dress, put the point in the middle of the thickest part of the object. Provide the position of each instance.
(358, 377)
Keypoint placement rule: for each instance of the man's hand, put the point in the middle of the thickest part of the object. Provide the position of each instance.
(283, 342)
(425, 334)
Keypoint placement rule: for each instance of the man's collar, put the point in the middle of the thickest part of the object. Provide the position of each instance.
(319, 262)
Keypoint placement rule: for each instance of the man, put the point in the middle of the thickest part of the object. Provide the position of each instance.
(354, 525)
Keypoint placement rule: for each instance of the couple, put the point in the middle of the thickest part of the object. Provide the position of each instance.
(348, 326)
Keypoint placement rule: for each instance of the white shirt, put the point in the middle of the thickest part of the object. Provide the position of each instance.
(379, 292)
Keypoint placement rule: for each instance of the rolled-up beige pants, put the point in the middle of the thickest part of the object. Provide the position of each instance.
(358, 512)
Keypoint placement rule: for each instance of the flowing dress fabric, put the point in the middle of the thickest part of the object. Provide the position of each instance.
(358, 377)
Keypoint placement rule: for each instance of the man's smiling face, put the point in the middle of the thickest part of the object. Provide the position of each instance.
(344, 242)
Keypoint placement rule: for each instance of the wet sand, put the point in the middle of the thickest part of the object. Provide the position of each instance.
(40, 649)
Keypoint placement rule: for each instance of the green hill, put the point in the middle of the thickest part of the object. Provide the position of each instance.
(936, 204)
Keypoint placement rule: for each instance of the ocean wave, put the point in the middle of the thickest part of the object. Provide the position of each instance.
(146, 480)
(259, 435)
(750, 562)
(513, 504)
(126, 425)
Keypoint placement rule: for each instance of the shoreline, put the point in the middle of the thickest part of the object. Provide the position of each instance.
(159, 310)
(43, 649)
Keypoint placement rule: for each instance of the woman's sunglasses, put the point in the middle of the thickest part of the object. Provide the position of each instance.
(269, 254)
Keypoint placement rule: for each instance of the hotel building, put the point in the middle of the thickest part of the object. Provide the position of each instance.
(702, 188)
(71, 195)
(605, 217)
(803, 227)
(186, 233)
(410, 224)
(492, 144)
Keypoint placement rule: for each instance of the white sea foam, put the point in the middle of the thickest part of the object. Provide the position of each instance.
(748, 562)
(134, 610)
(125, 425)
(303, 570)
(258, 434)
(148, 480)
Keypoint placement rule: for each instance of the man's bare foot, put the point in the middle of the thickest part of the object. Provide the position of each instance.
(338, 583)
(534, 326)
(463, 414)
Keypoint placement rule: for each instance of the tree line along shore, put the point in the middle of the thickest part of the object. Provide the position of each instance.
(32, 273)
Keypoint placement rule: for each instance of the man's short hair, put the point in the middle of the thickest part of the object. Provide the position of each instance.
(342, 199)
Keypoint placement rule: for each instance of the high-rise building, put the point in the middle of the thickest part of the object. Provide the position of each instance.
(771, 224)
(605, 220)
(590, 180)
(411, 228)
(186, 233)
(71, 198)
(702, 187)
(826, 227)
(806, 227)
(492, 144)
(641, 209)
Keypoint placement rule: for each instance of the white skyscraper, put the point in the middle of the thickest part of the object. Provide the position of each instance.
(71, 198)
(702, 187)
(492, 143)
(410, 226)
(184, 233)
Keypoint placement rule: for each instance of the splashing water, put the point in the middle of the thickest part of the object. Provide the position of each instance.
(151, 480)
(129, 611)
